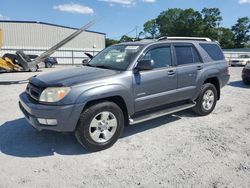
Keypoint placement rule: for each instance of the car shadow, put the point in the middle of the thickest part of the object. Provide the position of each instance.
(18, 138)
(239, 83)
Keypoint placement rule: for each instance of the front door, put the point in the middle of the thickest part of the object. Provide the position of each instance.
(155, 87)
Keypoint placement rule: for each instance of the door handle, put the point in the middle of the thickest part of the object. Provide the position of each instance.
(171, 72)
(199, 67)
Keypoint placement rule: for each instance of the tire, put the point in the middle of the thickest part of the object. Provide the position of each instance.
(245, 81)
(203, 106)
(34, 68)
(48, 65)
(88, 127)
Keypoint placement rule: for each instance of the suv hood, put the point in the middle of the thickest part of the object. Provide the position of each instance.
(72, 76)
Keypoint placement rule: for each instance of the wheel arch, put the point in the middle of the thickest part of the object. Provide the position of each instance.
(118, 100)
(215, 81)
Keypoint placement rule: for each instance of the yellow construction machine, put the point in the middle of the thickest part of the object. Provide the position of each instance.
(21, 62)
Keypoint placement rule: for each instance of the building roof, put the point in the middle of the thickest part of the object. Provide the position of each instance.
(44, 23)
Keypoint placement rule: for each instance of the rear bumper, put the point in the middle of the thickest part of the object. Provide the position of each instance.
(224, 80)
(67, 116)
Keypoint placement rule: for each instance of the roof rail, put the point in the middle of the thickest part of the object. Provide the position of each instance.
(184, 38)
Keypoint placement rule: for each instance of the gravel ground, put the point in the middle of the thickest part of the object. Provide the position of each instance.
(179, 150)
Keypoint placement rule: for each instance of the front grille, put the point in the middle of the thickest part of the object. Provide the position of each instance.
(34, 91)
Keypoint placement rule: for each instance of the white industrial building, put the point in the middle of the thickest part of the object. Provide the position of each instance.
(36, 37)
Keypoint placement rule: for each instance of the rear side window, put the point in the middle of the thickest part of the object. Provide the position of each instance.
(161, 56)
(186, 55)
(213, 51)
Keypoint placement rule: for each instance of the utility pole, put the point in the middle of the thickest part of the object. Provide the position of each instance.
(136, 32)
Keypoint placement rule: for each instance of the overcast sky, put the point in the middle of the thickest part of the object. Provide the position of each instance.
(118, 17)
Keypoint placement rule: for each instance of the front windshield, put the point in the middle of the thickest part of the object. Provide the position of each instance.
(117, 57)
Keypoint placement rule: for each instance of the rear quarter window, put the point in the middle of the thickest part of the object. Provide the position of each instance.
(213, 51)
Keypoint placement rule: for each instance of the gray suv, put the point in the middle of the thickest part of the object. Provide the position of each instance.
(126, 84)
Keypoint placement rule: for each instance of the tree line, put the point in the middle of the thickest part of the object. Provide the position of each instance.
(192, 23)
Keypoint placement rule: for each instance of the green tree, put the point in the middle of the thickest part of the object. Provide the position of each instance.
(211, 22)
(126, 38)
(151, 28)
(110, 42)
(226, 38)
(178, 22)
(241, 30)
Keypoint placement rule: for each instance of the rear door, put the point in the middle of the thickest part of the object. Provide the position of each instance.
(189, 64)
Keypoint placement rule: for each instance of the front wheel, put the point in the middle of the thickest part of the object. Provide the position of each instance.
(245, 81)
(207, 100)
(100, 126)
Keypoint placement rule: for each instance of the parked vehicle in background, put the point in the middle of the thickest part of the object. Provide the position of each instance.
(124, 84)
(48, 62)
(246, 74)
(242, 60)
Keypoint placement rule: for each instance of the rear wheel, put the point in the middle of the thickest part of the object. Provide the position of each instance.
(100, 126)
(207, 100)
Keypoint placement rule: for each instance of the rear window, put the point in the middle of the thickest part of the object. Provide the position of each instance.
(184, 55)
(213, 51)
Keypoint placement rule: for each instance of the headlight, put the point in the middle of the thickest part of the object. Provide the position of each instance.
(54, 94)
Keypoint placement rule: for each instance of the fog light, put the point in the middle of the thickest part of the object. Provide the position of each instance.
(51, 121)
(42, 121)
(47, 121)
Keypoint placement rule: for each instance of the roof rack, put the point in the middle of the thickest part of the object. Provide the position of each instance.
(185, 38)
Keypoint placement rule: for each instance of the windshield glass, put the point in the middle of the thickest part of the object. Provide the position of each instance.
(116, 57)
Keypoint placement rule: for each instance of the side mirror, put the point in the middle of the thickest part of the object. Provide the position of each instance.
(145, 65)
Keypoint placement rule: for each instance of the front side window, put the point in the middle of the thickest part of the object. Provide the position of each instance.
(117, 57)
(161, 56)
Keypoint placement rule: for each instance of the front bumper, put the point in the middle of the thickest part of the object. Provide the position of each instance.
(67, 116)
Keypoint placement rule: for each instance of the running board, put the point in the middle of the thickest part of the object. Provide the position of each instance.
(156, 114)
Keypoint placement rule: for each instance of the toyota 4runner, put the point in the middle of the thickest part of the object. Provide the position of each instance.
(126, 84)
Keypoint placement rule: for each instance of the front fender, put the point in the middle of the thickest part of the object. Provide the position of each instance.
(106, 91)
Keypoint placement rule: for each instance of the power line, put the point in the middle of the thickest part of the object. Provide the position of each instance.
(135, 29)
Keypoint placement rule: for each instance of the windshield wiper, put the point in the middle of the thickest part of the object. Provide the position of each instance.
(99, 66)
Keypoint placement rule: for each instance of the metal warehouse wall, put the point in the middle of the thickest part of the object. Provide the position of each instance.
(40, 36)
(35, 38)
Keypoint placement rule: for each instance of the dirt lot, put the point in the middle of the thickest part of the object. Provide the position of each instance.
(181, 150)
